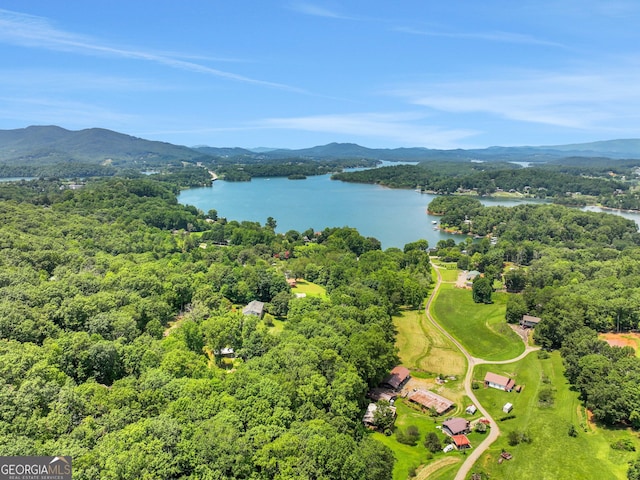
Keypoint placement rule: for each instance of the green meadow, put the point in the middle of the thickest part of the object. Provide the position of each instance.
(552, 454)
(480, 328)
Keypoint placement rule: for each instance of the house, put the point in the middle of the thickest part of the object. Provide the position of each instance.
(255, 308)
(369, 416)
(430, 400)
(455, 426)
(397, 378)
(507, 407)
(471, 409)
(461, 442)
(500, 382)
(529, 322)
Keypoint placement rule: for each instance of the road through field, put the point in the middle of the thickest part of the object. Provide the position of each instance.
(494, 431)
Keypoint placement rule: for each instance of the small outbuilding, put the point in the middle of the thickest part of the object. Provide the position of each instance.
(369, 416)
(471, 409)
(397, 378)
(461, 442)
(507, 407)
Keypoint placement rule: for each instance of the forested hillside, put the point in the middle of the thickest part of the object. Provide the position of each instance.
(90, 281)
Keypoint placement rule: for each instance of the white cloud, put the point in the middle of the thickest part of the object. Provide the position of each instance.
(587, 101)
(504, 37)
(316, 11)
(399, 128)
(37, 32)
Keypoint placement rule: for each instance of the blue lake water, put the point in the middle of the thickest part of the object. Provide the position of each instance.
(395, 217)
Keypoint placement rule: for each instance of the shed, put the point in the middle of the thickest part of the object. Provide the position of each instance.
(369, 416)
(507, 407)
(397, 378)
(471, 409)
(428, 399)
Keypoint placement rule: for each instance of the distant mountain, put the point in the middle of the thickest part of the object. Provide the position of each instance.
(616, 149)
(45, 145)
(51, 145)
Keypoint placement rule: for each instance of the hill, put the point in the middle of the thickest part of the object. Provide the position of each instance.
(46, 145)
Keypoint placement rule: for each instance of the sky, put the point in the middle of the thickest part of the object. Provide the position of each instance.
(295, 74)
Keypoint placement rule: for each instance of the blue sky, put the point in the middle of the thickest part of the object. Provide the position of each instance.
(297, 74)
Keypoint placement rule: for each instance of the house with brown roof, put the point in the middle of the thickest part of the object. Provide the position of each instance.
(397, 378)
(430, 400)
(500, 382)
(528, 321)
(455, 426)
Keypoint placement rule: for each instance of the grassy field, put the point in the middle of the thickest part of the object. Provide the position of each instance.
(309, 288)
(552, 454)
(480, 328)
(409, 458)
(423, 348)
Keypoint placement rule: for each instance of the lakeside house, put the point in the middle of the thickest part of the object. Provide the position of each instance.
(397, 378)
(528, 321)
(255, 308)
(500, 382)
(430, 400)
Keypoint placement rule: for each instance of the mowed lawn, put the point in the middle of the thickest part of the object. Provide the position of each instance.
(552, 454)
(480, 328)
(309, 288)
(422, 347)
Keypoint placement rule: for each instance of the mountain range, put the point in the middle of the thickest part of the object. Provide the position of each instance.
(47, 145)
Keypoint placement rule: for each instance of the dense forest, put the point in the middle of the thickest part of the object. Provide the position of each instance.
(116, 304)
(552, 181)
(579, 272)
(232, 171)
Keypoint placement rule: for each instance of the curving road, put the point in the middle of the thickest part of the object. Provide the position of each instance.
(494, 431)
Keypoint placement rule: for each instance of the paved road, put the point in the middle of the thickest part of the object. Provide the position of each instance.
(494, 431)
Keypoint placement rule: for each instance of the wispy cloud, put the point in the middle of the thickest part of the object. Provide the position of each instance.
(504, 37)
(37, 32)
(400, 128)
(317, 11)
(61, 112)
(587, 101)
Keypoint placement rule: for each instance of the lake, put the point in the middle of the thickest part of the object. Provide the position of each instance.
(395, 217)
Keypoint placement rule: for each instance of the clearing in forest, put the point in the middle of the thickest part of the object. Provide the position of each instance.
(480, 328)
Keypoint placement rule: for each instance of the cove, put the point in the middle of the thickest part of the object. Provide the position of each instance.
(393, 216)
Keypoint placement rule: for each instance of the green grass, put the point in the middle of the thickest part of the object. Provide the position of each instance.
(480, 328)
(309, 288)
(449, 274)
(408, 457)
(421, 347)
(553, 454)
